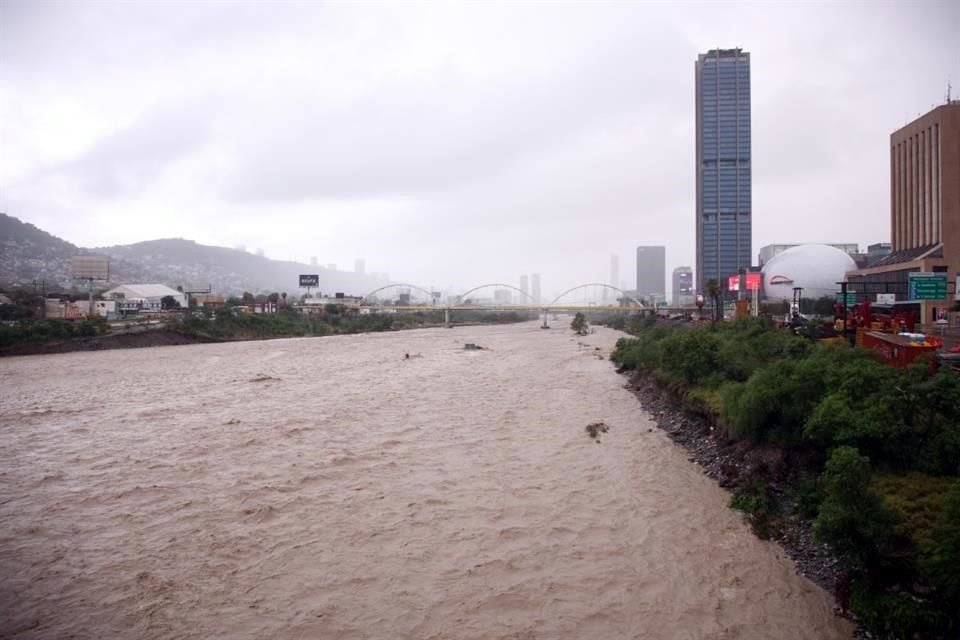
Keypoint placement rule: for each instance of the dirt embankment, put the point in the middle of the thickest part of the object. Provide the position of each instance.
(159, 338)
(733, 464)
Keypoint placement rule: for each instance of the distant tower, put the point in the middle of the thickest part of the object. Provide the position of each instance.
(359, 265)
(535, 287)
(332, 266)
(313, 261)
(614, 273)
(524, 288)
(651, 271)
(724, 207)
(683, 293)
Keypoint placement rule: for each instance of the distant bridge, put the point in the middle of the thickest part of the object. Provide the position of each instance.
(464, 302)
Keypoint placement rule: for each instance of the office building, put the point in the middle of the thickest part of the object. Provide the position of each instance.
(877, 252)
(525, 288)
(724, 201)
(683, 293)
(651, 272)
(360, 266)
(535, 287)
(924, 210)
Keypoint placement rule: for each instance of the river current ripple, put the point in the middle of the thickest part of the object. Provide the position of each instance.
(332, 488)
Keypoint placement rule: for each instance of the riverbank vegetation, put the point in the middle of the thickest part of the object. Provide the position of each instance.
(287, 323)
(37, 331)
(21, 335)
(870, 454)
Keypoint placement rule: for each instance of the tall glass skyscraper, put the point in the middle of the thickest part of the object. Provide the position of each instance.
(724, 230)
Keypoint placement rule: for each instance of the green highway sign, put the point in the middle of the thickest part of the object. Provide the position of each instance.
(926, 286)
(851, 298)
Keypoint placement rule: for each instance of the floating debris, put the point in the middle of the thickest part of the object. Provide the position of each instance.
(594, 429)
(264, 378)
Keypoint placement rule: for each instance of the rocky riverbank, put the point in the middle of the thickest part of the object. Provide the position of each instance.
(733, 464)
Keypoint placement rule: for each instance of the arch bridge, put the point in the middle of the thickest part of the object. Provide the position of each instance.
(428, 300)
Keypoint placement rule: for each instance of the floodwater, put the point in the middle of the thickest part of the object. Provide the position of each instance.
(332, 488)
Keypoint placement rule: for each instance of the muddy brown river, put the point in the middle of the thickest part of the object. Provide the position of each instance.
(331, 488)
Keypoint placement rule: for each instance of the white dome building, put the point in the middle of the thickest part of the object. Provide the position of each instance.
(817, 268)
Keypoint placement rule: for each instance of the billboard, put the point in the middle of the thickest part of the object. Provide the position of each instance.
(753, 282)
(90, 267)
(309, 280)
(198, 288)
(685, 282)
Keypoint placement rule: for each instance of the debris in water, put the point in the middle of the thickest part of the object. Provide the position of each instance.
(264, 378)
(474, 347)
(594, 429)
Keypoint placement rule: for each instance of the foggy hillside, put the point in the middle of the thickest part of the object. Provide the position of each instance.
(28, 253)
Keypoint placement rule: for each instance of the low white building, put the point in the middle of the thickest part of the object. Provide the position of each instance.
(150, 295)
(104, 308)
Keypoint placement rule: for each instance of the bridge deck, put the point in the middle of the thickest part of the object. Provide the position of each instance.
(492, 308)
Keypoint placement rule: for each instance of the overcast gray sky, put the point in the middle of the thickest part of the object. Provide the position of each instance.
(450, 143)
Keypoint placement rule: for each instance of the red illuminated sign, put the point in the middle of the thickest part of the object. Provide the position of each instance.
(754, 281)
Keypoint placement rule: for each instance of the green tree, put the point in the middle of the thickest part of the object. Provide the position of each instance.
(169, 302)
(933, 413)
(691, 355)
(940, 558)
(15, 312)
(579, 324)
(714, 292)
(852, 519)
